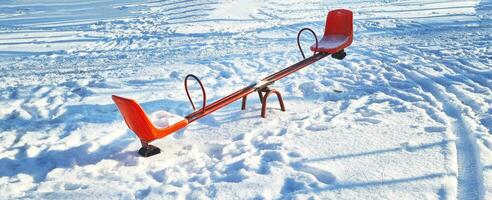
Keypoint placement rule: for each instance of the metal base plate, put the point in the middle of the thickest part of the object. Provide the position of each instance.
(148, 151)
(340, 55)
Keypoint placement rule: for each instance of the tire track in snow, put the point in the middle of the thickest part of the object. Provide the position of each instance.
(470, 177)
(469, 172)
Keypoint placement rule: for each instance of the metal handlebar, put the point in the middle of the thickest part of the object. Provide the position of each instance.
(299, 44)
(188, 93)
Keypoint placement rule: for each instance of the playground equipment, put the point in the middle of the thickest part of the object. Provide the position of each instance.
(337, 36)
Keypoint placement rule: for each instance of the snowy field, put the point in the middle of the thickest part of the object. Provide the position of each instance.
(413, 119)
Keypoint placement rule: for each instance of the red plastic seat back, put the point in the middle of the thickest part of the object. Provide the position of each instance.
(339, 22)
(135, 118)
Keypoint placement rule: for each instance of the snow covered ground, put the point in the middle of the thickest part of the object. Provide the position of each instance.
(413, 120)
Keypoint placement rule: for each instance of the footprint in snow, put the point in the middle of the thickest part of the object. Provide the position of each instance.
(321, 175)
(294, 154)
(435, 129)
(368, 120)
(291, 185)
(282, 132)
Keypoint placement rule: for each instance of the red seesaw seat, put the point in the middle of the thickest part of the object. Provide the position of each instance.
(138, 122)
(338, 32)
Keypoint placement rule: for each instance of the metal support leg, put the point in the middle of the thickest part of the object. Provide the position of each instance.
(243, 106)
(260, 95)
(264, 101)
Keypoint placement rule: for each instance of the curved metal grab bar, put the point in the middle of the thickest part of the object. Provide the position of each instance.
(299, 44)
(188, 93)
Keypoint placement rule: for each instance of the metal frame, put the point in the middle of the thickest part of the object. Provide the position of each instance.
(260, 87)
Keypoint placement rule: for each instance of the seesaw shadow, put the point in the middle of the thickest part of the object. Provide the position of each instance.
(336, 186)
(442, 143)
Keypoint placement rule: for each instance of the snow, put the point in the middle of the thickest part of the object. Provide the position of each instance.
(162, 119)
(406, 115)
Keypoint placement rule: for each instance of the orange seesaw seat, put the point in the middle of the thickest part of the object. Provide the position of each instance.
(338, 32)
(138, 122)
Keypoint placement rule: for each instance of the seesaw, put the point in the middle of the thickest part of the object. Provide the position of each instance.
(337, 36)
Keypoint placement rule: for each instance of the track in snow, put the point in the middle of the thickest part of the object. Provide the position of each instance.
(457, 106)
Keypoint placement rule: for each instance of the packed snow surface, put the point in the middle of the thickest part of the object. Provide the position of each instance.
(406, 115)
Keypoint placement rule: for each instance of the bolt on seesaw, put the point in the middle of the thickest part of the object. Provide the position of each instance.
(337, 36)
